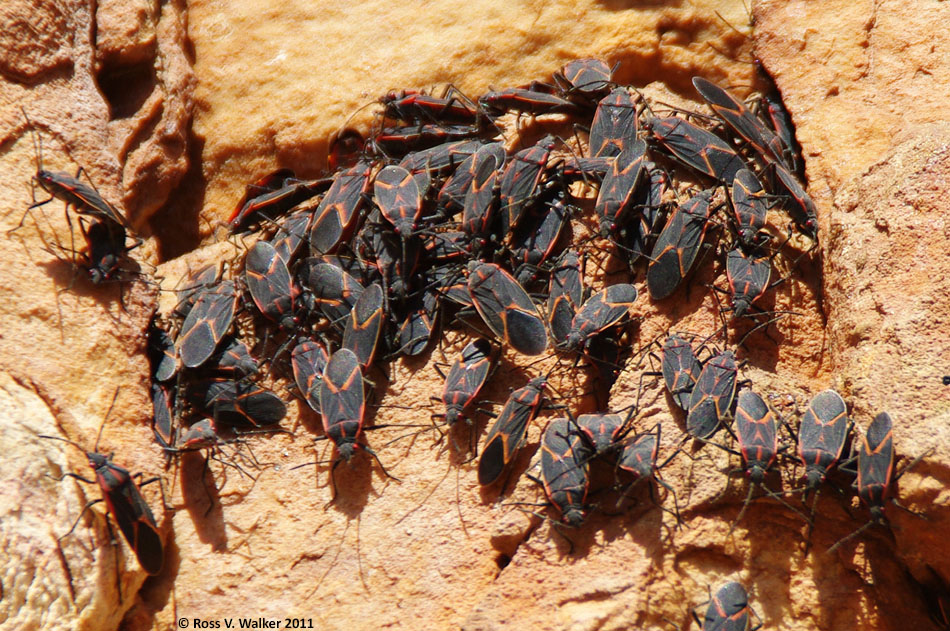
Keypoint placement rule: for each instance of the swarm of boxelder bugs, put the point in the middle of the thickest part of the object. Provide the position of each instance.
(444, 215)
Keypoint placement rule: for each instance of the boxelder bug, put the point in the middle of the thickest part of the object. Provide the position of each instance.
(342, 407)
(565, 293)
(564, 468)
(125, 503)
(507, 309)
(364, 324)
(677, 246)
(452, 194)
(638, 457)
(695, 147)
(750, 206)
(589, 77)
(399, 199)
(736, 115)
(507, 434)
(728, 610)
(309, 359)
(604, 309)
(188, 294)
(520, 181)
(600, 431)
(614, 127)
(478, 206)
(537, 238)
(748, 279)
(412, 106)
(207, 322)
(822, 436)
(84, 199)
(161, 353)
(757, 432)
(291, 232)
(800, 205)
(333, 290)
(711, 399)
(105, 247)
(278, 201)
(619, 185)
(271, 284)
(415, 333)
(234, 358)
(163, 417)
(336, 214)
(680, 369)
(466, 377)
(781, 122)
(534, 100)
(875, 472)
(821, 439)
(237, 402)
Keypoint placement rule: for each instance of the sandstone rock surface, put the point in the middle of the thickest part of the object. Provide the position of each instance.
(172, 110)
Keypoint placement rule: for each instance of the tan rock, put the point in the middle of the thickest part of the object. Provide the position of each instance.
(432, 549)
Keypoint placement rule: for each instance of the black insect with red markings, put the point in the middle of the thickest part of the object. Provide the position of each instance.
(83, 198)
(799, 204)
(615, 125)
(336, 215)
(565, 471)
(331, 289)
(637, 456)
(125, 503)
(565, 295)
(740, 118)
(710, 403)
(680, 368)
(466, 377)
(342, 408)
(234, 358)
(537, 239)
(615, 198)
(601, 432)
(750, 205)
(507, 433)
(207, 322)
(361, 333)
(291, 233)
(397, 141)
(602, 310)
(696, 147)
(416, 330)
(272, 203)
(757, 432)
(748, 277)
(507, 309)
(451, 198)
(678, 245)
(536, 99)
(589, 78)
(822, 436)
(309, 359)
(399, 199)
(237, 403)
(412, 106)
(728, 610)
(271, 286)
(521, 180)
(876, 473)
(105, 249)
(480, 202)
